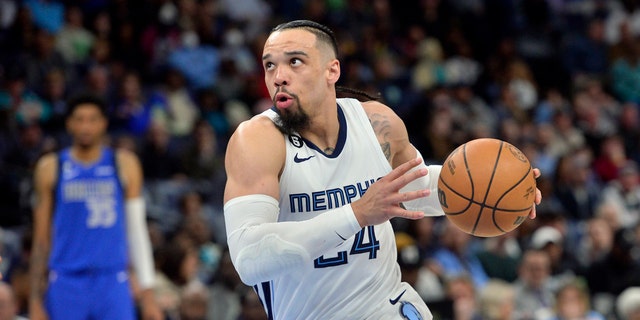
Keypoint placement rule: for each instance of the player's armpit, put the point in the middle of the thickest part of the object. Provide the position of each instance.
(263, 249)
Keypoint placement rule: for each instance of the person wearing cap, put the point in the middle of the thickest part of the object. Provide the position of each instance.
(563, 262)
(628, 304)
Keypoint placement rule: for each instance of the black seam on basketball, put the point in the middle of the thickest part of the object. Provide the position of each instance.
(493, 211)
(493, 174)
(460, 195)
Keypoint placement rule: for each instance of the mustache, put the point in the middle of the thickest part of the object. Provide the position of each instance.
(283, 90)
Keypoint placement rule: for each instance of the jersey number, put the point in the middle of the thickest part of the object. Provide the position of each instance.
(102, 213)
(360, 245)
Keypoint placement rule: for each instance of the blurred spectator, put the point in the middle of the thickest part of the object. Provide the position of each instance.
(563, 263)
(619, 270)
(572, 302)
(575, 189)
(629, 129)
(19, 104)
(628, 304)
(251, 307)
(193, 302)
(610, 213)
(202, 159)
(624, 192)
(74, 41)
(592, 119)
(226, 290)
(610, 159)
(177, 269)
(199, 75)
(568, 137)
(47, 14)
(8, 11)
(456, 256)
(596, 243)
(534, 297)
(586, 54)
(134, 111)
(159, 156)
(415, 272)
(182, 112)
(8, 304)
(500, 255)
(429, 69)
(197, 229)
(55, 94)
(496, 301)
(624, 72)
(162, 36)
(462, 292)
(44, 58)
(97, 80)
(212, 111)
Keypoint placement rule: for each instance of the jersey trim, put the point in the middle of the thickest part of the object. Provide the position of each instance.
(342, 134)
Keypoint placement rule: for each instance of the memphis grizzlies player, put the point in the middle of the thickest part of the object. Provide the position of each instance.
(311, 186)
(89, 219)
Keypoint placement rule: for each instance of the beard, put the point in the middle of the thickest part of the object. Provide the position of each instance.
(292, 121)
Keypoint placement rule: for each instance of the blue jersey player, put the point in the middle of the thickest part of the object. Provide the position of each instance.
(89, 220)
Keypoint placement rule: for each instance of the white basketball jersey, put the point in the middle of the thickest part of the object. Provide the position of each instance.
(359, 279)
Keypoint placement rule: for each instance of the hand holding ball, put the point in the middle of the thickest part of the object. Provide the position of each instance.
(487, 187)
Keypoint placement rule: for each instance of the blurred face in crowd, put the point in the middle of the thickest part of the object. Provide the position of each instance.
(87, 125)
(535, 268)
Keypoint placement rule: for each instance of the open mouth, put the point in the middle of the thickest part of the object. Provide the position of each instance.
(283, 100)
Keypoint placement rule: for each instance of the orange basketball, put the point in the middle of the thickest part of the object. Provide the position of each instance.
(486, 187)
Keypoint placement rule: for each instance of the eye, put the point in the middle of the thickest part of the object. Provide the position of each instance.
(296, 62)
(268, 66)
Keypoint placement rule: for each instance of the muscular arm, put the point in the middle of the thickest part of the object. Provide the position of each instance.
(44, 178)
(262, 248)
(394, 141)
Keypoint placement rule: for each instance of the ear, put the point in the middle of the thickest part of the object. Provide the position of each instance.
(333, 71)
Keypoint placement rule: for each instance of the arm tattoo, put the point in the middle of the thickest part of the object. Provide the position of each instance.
(382, 128)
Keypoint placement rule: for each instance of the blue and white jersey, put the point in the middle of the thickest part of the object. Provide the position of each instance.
(359, 279)
(88, 229)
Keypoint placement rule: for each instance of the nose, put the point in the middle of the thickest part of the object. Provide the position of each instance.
(281, 77)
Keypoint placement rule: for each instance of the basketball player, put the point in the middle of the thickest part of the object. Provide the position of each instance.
(301, 229)
(88, 220)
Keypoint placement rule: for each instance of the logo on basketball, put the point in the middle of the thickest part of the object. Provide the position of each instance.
(517, 153)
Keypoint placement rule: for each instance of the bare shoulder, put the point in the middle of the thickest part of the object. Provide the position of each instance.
(373, 107)
(254, 159)
(46, 169)
(126, 158)
(256, 133)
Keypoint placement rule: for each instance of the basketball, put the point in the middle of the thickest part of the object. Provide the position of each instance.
(486, 187)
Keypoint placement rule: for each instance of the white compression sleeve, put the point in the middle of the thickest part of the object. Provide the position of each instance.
(262, 248)
(430, 205)
(139, 243)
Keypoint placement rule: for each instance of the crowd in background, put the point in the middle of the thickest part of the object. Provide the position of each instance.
(559, 79)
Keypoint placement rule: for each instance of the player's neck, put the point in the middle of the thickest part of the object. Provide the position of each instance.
(324, 131)
(86, 154)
